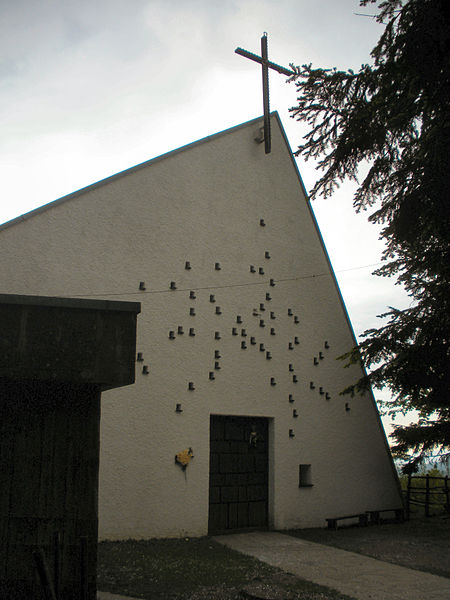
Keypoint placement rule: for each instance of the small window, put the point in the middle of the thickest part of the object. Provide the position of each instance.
(304, 476)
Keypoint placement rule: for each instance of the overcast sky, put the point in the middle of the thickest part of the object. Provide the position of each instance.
(91, 87)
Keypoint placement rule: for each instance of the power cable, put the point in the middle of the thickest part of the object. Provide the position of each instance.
(215, 287)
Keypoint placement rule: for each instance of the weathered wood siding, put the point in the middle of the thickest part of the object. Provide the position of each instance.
(49, 448)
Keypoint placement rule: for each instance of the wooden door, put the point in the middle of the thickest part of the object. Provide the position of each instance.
(238, 479)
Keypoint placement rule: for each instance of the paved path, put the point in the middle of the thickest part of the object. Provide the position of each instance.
(108, 596)
(359, 576)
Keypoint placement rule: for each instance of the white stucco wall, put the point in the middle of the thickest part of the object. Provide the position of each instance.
(204, 205)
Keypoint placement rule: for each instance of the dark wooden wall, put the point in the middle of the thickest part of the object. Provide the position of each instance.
(49, 449)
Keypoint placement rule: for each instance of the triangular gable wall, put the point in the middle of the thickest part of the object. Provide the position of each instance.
(203, 205)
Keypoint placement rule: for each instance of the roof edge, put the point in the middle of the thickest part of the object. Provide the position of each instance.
(129, 170)
(64, 302)
(341, 299)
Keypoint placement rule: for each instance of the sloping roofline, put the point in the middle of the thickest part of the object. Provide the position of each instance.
(313, 218)
(147, 163)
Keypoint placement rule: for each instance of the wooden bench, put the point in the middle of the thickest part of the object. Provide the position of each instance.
(374, 516)
(362, 520)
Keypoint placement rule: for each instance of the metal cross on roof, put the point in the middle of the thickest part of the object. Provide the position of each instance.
(266, 65)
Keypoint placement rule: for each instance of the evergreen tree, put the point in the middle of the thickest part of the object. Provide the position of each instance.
(394, 116)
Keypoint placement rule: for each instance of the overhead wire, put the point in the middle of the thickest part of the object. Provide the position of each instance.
(217, 287)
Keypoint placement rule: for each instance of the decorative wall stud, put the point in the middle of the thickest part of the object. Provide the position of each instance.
(326, 345)
(311, 385)
(140, 357)
(171, 335)
(261, 348)
(192, 295)
(173, 285)
(262, 307)
(262, 223)
(252, 269)
(243, 345)
(296, 341)
(268, 296)
(191, 386)
(211, 375)
(272, 331)
(296, 321)
(217, 266)
(272, 381)
(291, 346)
(192, 312)
(243, 333)
(321, 392)
(327, 396)
(294, 379)
(187, 265)
(216, 354)
(291, 433)
(316, 362)
(291, 368)
(261, 323)
(218, 310)
(234, 331)
(268, 355)
(238, 319)
(272, 282)
(217, 335)
(289, 312)
(294, 413)
(272, 315)
(291, 398)
(191, 332)
(321, 355)
(217, 366)
(252, 341)
(347, 407)
(267, 254)
(142, 286)
(261, 271)
(180, 330)
(145, 370)
(178, 408)
(212, 298)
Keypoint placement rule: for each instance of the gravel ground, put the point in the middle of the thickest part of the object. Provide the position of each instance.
(422, 544)
(418, 544)
(280, 586)
(196, 569)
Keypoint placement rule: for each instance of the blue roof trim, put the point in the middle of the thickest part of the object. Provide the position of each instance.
(130, 170)
(341, 299)
(208, 138)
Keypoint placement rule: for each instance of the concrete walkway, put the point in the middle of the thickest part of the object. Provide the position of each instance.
(108, 596)
(359, 576)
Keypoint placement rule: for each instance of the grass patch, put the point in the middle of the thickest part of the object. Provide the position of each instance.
(175, 569)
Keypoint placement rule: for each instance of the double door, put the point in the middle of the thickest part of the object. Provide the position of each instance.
(238, 479)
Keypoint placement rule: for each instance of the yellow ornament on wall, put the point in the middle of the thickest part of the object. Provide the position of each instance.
(184, 457)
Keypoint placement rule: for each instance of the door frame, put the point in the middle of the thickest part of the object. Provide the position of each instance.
(270, 468)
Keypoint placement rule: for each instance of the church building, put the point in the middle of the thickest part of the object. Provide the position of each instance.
(235, 420)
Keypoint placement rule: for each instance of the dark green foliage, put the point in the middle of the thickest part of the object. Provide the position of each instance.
(393, 119)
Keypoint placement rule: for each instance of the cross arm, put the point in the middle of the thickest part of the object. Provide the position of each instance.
(259, 60)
